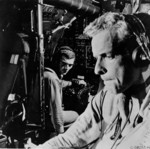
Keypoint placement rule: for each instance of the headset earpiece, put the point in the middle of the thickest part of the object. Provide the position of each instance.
(134, 55)
(139, 58)
(141, 54)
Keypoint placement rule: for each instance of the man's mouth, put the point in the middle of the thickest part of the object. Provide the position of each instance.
(64, 71)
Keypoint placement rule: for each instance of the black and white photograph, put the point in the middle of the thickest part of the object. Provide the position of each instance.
(75, 74)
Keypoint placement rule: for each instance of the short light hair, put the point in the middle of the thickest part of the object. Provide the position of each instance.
(119, 29)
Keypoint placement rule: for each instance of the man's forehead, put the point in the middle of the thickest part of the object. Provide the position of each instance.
(101, 43)
(67, 61)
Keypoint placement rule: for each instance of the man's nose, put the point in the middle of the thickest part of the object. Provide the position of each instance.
(67, 67)
(99, 67)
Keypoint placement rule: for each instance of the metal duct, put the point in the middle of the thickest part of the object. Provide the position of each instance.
(75, 5)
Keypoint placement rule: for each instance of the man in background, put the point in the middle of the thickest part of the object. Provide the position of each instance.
(63, 60)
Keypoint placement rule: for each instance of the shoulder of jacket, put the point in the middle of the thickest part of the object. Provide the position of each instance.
(50, 74)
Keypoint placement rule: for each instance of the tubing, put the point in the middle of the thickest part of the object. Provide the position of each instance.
(76, 6)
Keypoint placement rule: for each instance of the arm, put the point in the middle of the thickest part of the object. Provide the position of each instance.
(66, 83)
(55, 97)
(73, 82)
(86, 129)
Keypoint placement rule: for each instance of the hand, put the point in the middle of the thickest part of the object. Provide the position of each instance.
(82, 82)
(29, 145)
(78, 82)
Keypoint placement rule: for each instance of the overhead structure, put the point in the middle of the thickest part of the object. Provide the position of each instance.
(75, 6)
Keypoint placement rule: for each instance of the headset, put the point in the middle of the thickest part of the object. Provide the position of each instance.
(141, 54)
(65, 48)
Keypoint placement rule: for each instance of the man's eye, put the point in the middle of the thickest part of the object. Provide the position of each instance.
(70, 65)
(63, 64)
(109, 56)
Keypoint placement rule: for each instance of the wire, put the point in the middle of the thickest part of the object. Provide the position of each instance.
(123, 126)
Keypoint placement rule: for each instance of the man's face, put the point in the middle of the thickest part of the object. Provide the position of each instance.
(115, 73)
(66, 65)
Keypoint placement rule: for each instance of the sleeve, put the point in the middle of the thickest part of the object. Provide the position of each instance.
(56, 103)
(86, 129)
(66, 83)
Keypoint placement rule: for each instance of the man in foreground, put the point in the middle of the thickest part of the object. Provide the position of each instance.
(118, 116)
